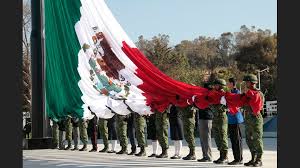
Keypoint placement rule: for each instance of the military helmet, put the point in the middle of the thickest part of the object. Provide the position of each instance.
(250, 78)
(220, 82)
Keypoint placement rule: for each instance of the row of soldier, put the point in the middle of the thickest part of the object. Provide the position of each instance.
(182, 121)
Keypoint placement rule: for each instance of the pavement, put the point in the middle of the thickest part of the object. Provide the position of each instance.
(49, 158)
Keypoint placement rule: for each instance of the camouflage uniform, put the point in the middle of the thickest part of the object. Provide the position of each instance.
(69, 129)
(162, 125)
(104, 131)
(220, 127)
(140, 125)
(75, 125)
(254, 132)
(55, 134)
(83, 133)
(189, 128)
(62, 133)
(254, 127)
(122, 132)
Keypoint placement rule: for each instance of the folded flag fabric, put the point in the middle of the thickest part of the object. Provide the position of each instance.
(92, 67)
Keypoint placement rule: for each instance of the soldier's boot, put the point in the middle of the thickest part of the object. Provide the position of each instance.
(215, 161)
(142, 152)
(61, 147)
(75, 148)
(251, 162)
(164, 154)
(111, 151)
(223, 158)
(152, 155)
(235, 162)
(93, 149)
(257, 162)
(122, 151)
(191, 155)
(105, 149)
(84, 148)
(133, 150)
(68, 147)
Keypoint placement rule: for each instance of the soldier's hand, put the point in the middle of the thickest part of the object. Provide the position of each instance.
(223, 101)
(193, 98)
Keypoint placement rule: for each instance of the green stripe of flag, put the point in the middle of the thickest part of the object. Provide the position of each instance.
(63, 95)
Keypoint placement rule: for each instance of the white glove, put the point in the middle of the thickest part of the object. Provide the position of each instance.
(223, 100)
(193, 98)
(188, 102)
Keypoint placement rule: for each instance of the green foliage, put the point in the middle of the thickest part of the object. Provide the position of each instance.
(204, 58)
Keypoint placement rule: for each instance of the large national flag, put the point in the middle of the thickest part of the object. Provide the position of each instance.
(93, 66)
(91, 62)
(84, 68)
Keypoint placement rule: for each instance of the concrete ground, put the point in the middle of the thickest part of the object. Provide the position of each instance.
(74, 159)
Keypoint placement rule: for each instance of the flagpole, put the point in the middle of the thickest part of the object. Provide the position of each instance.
(40, 138)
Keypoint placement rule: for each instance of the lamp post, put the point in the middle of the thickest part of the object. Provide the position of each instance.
(258, 72)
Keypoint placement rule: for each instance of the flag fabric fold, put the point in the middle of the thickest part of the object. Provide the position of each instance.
(91, 63)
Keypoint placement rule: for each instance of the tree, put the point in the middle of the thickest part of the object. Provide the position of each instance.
(227, 48)
(260, 54)
(172, 61)
(161, 54)
(26, 25)
(26, 85)
(202, 52)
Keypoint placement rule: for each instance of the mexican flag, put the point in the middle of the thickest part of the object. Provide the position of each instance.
(93, 66)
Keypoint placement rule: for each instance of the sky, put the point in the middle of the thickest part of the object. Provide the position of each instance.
(189, 19)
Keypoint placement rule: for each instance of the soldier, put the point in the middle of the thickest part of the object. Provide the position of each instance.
(162, 125)
(27, 129)
(112, 133)
(205, 117)
(131, 132)
(122, 133)
(136, 124)
(220, 124)
(253, 124)
(62, 134)
(189, 131)
(54, 134)
(152, 133)
(140, 125)
(176, 129)
(234, 130)
(69, 132)
(104, 133)
(83, 133)
(75, 125)
(94, 132)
